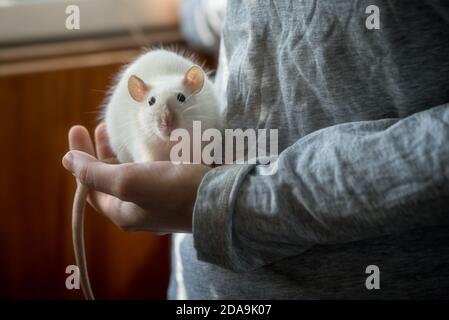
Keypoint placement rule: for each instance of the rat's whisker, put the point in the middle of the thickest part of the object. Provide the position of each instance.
(202, 117)
(92, 112)
(191, 107)
(99, 90)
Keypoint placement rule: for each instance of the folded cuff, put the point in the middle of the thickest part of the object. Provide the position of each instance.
(213, 216)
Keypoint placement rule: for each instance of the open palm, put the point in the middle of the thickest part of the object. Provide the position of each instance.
(156, 196)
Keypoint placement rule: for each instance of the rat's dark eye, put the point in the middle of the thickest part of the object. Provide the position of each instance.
(152, 101)
(181, 97)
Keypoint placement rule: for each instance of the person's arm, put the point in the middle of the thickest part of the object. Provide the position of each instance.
(340, 184)
(201, 22)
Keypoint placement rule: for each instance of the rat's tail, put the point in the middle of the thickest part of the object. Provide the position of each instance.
(79, 204)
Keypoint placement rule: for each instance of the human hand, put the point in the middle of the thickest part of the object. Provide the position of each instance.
(156, 196)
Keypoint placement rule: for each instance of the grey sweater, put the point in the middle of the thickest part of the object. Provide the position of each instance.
(363, 173)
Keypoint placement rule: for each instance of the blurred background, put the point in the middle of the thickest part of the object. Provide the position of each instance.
(53, 77)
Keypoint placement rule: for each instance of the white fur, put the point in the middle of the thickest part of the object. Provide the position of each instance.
(132, 126)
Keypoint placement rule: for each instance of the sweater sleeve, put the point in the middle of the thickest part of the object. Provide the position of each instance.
(344, 183)
(201, 22)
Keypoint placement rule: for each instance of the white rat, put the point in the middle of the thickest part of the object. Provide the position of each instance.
(159, 92)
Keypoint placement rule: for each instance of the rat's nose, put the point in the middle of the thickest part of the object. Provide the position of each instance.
(167, 120)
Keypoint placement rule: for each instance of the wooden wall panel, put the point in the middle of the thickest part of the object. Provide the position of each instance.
(37, 110)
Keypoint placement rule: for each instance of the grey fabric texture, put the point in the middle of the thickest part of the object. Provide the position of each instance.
(201, 22)
(363, 173)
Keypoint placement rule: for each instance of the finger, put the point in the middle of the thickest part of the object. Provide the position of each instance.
(126, 215)
(115, 180)
(79, 139)
(103, 149)
(96, 198)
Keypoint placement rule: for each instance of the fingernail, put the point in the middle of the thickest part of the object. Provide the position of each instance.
(67, 161)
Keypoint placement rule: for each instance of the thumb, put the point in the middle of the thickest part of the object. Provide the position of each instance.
(90, 171)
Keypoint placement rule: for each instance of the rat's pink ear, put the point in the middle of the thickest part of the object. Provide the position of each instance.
(137, 88)
(194, 79)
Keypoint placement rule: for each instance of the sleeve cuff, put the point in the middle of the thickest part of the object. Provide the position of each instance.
(213, 216)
